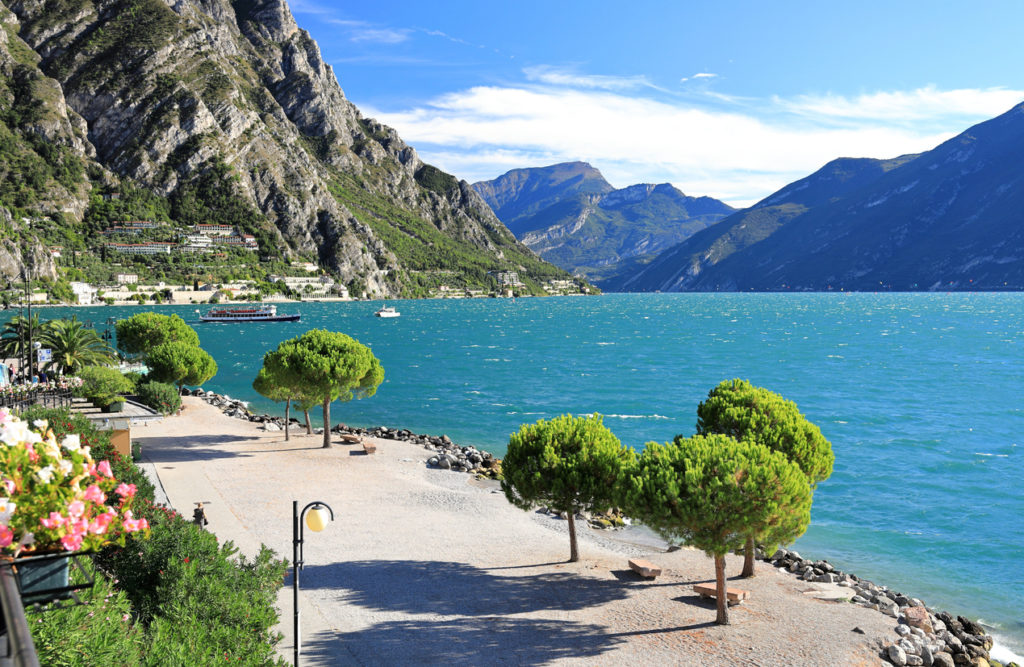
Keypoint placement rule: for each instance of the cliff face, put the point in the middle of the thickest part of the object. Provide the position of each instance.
(162, 93)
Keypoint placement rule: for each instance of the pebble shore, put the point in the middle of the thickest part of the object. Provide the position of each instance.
(921, 635)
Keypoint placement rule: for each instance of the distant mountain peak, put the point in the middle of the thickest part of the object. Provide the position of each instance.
(571, 216)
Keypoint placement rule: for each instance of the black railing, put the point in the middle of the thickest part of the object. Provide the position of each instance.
(16, 647)
(18, 398)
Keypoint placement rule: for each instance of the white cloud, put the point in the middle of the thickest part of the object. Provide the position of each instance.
(704, 75)
(380, 35)
(922, 104)
(561, 77)
(734, 149)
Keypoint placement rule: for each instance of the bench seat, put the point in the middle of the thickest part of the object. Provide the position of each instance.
(732, 595)
(644, 568)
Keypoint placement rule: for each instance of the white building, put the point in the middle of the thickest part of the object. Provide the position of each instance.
(85, 293)
(127, 278)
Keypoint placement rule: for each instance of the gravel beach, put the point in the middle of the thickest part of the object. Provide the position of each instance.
(427, 566)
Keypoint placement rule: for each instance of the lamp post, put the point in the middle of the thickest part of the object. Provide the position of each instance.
(316, 520)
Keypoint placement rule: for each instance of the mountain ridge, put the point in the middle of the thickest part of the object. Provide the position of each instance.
(570, 215)
(947, 218)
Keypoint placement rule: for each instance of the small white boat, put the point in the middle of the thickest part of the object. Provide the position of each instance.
(387, 311)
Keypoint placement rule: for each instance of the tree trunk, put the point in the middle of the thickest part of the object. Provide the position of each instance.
(748, 559)
(574, 552)
(287, 419)
(327, 422)
(723, 601)
(309, 424)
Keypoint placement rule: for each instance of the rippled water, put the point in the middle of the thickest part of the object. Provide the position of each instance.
(920, 395)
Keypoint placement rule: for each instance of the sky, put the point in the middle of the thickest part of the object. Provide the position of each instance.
(732, 100)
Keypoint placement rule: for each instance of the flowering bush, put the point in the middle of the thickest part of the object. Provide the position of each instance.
(56, 496)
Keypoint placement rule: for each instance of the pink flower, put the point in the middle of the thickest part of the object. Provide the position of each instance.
(55, 521)
(5, 415)
(78, 526)
(94, 494)
(6, 536)
(76, 508)
(104, 468)
(71, 542)
(131, 525)
(98, 526)
(125, 490)
(8, 484)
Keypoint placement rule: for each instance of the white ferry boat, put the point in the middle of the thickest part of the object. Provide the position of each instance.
(251, 314)
(387, 311)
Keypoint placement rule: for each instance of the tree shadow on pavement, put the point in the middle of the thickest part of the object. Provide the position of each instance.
(435, 587)
(483, 640)
(189, 448)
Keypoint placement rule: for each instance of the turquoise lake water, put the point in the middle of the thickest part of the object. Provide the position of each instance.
(920, 395)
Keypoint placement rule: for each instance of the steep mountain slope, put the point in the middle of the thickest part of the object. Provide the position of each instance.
(518, 195)
(946, 219)
(750, 226)
(227, 107)
(570, 216)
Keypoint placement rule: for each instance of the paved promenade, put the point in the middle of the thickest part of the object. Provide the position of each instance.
(425, 566)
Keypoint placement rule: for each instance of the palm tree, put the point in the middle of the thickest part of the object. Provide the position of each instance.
(16, 333)
(75, 346)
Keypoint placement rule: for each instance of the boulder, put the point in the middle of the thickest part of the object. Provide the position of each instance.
(942, 659)
(917, 617)
(897, 656)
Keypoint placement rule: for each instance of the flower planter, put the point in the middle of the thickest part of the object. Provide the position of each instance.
(117, 406)
(43, 580)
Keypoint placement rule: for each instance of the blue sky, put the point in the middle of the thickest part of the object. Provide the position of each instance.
(728, 99)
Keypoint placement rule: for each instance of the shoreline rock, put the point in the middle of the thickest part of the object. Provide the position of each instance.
(924, 636)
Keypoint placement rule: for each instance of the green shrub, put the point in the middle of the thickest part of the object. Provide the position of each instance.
(101, 631)
(136, 378)
(162, 397)
(198, 596)
(103, 385)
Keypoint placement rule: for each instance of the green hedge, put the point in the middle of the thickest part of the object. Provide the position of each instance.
(162, 397)
(177, 598)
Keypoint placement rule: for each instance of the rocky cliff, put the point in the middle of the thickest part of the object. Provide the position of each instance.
(201, 101)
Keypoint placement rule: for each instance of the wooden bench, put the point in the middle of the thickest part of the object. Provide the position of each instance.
(732, 595)
(644, 568)
(350, 438)
(369, 447)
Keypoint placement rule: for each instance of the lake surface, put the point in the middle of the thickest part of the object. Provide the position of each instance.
(921, 395)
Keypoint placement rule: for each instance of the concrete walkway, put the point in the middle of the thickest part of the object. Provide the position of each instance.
(425, 566)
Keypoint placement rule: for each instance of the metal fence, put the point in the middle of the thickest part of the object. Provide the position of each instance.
(19, 400)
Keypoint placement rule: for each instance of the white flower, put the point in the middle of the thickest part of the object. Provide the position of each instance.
(45, 474)
(6, 510)
(14, 433)
(66, 467)
(71, 442)
(40, 424)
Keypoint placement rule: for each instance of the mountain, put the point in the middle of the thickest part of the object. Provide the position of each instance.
(570, 216)
(222, 112)
(949, 218)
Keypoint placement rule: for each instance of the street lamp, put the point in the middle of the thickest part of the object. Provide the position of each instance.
(316, 519)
